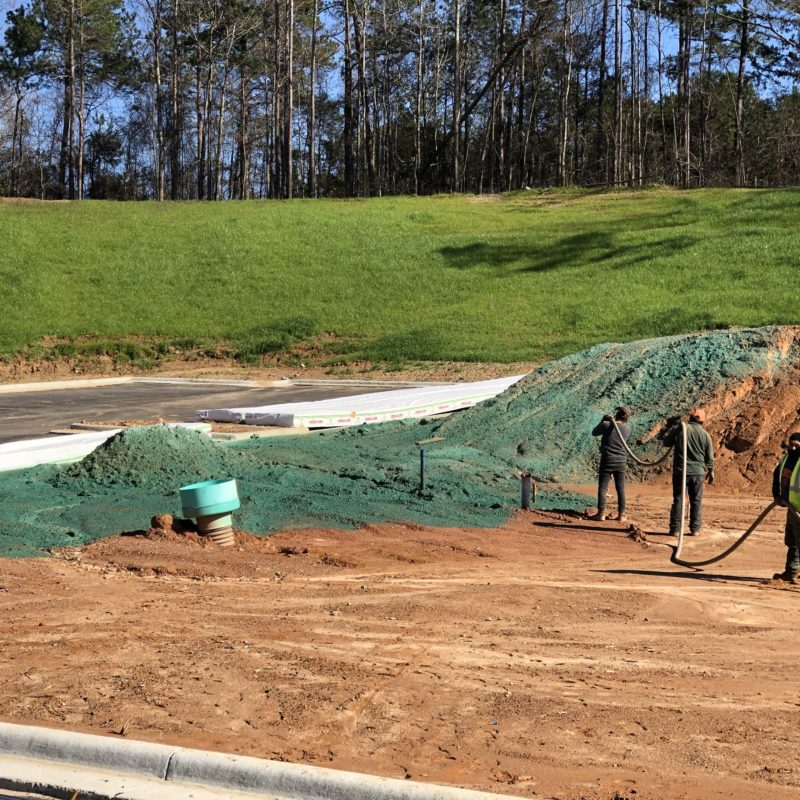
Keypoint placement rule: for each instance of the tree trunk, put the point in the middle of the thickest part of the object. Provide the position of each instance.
(312, 106)
(289, 101)
(418, 96)
(359, 30)
(566, 81)
(601, 149)
(175, 137)
(738, 131)
(158, 111)
(687, 106)
(217, 193)
(455, 166)
(500, 123)
(632, 147)
(81, 104)
(15, 134)
(66, 158)
(660, 56)
(349, 161)
(617, 91)
(198, 110)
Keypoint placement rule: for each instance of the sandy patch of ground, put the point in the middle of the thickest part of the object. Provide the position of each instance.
(551, 658)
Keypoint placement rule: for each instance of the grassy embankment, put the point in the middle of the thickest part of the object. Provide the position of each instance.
(522, 277)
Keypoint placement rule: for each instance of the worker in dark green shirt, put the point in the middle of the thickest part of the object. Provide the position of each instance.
(699, 467)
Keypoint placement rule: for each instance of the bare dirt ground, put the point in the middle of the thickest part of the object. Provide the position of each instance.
(552, 658)
(270, 368)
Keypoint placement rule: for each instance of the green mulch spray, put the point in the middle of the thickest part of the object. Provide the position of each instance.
(344, 478)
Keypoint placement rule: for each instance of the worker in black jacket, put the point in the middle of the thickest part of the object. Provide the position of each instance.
(613, 460)
(786, 490)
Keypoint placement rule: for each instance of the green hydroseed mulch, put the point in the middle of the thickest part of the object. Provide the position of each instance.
(342, 478)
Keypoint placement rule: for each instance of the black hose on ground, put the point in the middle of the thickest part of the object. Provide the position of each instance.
(675, 557)
(676, 552)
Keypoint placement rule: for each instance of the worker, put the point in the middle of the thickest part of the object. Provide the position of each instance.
(613, 460)
(699, 465)
(786, 491)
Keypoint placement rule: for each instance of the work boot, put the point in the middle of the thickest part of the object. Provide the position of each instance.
(692, 533)
(598, 517)
(789, 576)
(621, 517)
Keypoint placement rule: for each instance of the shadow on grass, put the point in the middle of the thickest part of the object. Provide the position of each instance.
(583, 249)
(670, 321)
(421, 344)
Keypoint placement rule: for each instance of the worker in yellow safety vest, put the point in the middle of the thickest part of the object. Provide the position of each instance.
(786, 491)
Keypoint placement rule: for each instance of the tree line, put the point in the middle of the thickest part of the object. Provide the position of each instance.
(211, 100)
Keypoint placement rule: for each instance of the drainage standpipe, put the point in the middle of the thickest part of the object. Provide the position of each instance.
(420, 444)
(211, 504)
(528, 490)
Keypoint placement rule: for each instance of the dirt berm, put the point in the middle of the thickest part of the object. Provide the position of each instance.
(746, 379)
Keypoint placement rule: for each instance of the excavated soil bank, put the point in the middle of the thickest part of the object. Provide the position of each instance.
(345, 478)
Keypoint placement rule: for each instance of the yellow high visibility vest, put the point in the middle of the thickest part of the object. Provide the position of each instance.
(794, 484)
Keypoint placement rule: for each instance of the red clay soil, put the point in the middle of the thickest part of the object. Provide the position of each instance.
(749, 426)
(554, 657)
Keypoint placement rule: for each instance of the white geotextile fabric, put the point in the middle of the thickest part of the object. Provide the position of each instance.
(61, 449)
(366, 408)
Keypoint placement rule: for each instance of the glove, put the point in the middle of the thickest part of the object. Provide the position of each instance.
(607, 418)
(710, 477)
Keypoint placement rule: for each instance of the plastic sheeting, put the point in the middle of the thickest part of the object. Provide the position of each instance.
(366, 408)
(61, 449)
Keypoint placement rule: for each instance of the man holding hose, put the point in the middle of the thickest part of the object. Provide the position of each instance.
(613, 460)
(786, 491)
(699, 465)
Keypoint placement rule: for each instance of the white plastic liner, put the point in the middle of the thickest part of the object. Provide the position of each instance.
(366, 408)
(61, 449)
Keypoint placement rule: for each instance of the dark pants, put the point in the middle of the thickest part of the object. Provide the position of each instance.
(791, 539)
(607, 471)
(694, 487)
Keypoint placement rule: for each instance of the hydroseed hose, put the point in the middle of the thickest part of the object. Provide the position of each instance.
(675, 557)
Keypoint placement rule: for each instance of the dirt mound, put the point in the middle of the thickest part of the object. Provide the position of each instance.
(544, 421)
(351, 477)
(750, 428)
(151, 456)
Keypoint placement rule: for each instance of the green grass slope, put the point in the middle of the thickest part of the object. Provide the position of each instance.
(526, 276)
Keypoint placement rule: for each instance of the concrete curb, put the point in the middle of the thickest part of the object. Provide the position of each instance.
(85, 749)
(49, 779)
(356, 382)
(91, 383)
(216, 770)
(248, 383)
(49, 386)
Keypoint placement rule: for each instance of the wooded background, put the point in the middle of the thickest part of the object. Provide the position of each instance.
(210, 100)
